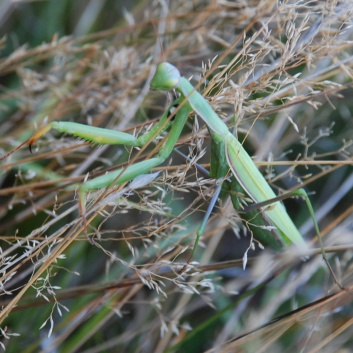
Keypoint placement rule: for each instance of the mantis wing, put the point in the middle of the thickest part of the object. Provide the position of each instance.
(256, 187)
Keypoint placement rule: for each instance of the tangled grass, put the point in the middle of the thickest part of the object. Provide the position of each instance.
(284, 69)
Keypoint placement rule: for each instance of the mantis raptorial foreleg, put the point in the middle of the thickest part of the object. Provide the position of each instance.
(229, 159)
(122, 175)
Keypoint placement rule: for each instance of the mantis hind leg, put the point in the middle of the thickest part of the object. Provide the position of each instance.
(209, 210)
(301, 193)
(201, 229)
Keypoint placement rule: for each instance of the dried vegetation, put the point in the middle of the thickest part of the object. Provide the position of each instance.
(284, 68)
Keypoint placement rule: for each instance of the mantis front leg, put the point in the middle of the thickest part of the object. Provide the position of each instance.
(104, 136)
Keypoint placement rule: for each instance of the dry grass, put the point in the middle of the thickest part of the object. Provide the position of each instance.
(284, 69)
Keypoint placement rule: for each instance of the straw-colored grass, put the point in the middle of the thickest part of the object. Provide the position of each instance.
(283, 68)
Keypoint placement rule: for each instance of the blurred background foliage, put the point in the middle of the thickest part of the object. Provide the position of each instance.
(283, 68)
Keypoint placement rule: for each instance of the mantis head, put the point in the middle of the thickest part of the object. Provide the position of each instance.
(166, 77)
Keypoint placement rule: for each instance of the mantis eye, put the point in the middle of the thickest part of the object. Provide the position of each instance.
(166, 77)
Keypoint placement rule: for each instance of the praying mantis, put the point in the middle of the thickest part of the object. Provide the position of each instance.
(270, 223)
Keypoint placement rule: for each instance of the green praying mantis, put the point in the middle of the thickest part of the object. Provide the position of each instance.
(270, 224)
